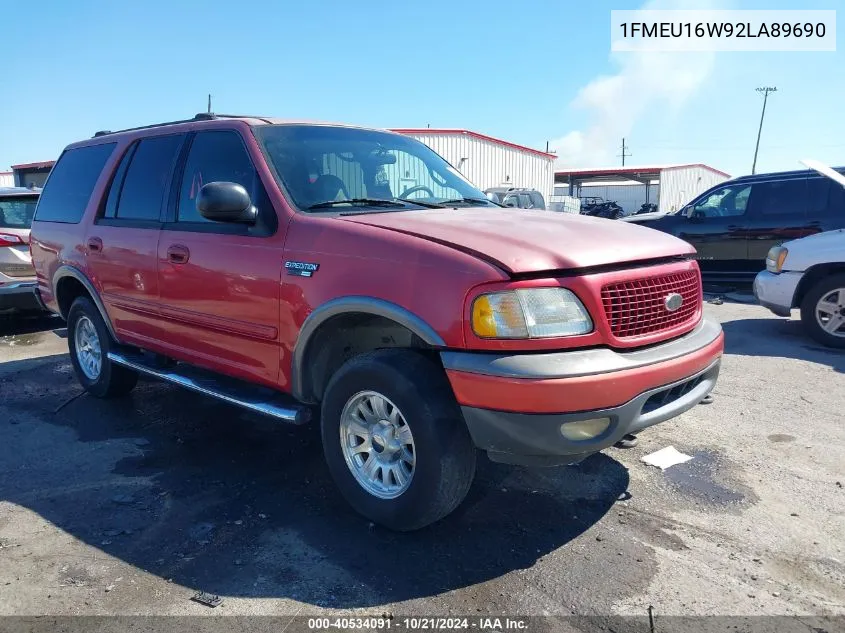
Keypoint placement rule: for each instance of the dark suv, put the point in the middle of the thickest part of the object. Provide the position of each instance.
(734, 224)
(291, 268)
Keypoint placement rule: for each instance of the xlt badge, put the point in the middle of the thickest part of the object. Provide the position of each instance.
(301, 269)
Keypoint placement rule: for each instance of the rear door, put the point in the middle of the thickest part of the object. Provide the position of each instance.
(778, 212)
(121, 244)
(219, 282)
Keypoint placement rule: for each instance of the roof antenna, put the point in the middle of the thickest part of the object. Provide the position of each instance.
(209, 103)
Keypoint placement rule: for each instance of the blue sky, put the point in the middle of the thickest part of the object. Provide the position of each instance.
(529, 71)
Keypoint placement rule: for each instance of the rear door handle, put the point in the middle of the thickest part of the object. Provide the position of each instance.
(178, 254)
(95, 245)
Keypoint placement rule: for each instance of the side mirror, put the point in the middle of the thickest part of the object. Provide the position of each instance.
(226, 202)
(696, 216)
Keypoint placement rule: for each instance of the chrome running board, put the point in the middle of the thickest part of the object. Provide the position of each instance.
(237, 392)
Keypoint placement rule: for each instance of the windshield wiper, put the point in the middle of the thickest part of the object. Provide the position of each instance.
(375, 202)
(485, 201)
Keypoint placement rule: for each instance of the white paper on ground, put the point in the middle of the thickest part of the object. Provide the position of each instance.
(666, 457)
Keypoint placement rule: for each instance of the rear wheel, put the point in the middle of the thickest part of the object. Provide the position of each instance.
(823, 311)
(394, 439)
(89, 342)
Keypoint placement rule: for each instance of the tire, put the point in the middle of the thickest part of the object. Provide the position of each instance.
(85, 325)
(442, 449)
(825, 289)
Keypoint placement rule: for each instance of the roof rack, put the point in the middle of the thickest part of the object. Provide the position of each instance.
(202, 116)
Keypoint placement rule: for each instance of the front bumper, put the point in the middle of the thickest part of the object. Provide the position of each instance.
(20, 296)
(514, 405)
(776, 291)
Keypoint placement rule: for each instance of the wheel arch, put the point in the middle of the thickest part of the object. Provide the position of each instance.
(70, 283)
(321, 345)
(812, 276)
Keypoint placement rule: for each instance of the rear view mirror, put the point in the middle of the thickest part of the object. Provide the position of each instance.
(226, 202)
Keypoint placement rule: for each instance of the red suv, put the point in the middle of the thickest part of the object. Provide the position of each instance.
(293, 268)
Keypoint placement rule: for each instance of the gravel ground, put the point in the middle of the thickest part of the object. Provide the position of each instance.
(131, 506)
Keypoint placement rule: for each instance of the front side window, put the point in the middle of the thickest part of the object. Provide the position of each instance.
(71, 183)
(16, 212)
(728, 201)
(146, 179)
(323, 166)
(215, 156)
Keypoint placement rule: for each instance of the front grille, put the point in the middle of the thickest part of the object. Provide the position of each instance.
(667, 396)
(17, 270)
(637, 307)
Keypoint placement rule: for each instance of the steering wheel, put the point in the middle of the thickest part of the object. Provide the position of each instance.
(404, 195)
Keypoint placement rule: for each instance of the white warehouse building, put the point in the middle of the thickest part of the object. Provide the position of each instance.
(490, 162)
(670, 187)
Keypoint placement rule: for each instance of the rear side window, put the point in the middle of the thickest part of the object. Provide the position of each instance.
(150, 166)
(538, 201)
(780, 198)
(71, 183)
(16, 213)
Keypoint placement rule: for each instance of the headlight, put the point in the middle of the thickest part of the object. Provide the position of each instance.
(776, 258)
(529, 313)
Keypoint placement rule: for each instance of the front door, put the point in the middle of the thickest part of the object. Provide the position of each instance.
(717, 225)
(219, 282)
(121, 244)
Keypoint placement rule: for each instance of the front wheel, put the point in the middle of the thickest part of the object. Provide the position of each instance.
(394, 439)
(823, 311)
(89, 343)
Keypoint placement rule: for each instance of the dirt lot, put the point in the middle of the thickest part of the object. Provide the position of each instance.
(130, 507)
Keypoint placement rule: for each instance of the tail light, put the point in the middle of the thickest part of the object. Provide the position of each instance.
(10, 240)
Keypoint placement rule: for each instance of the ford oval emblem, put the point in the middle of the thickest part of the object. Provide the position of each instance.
(673, 302)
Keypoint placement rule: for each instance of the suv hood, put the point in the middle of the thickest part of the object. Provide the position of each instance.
(531, 241)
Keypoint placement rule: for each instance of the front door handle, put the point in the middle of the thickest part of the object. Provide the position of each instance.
(178, 254)
(95, 245)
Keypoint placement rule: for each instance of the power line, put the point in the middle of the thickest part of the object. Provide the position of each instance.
(623, 154)
(766, 90)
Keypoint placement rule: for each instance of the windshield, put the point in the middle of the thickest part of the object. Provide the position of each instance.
(16, 213)
(321, 167)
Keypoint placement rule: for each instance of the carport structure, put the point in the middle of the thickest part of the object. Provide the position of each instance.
(671, 186)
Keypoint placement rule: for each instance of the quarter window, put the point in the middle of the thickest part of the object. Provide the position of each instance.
(71, 183)
(818, 195)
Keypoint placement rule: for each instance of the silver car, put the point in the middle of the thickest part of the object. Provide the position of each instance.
(18, 291)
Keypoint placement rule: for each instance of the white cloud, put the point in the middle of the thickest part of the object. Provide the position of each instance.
(644, 82)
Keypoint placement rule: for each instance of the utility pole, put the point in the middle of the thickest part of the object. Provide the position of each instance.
(209, 103)
(766, 90)
(623, 154)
